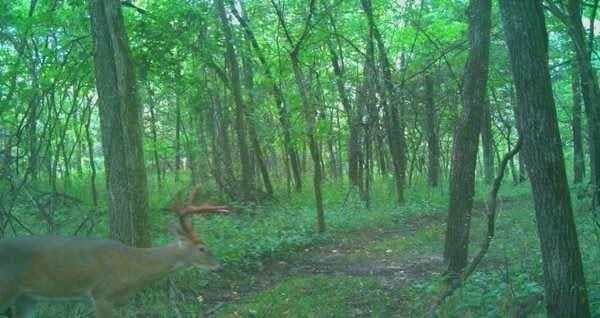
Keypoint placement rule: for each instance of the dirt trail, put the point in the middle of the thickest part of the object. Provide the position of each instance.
(336, 259)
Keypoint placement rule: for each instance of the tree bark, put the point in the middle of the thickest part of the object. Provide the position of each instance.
(252, 131)
(120, 116)
(240, 120)
(590, 91)
(352, 118)
(527, 41)
(431, 133)
(487, 143)
(155, 154)
(90, 146)
(394, 124)
(466, 137)
(578, 154)
(278, 96)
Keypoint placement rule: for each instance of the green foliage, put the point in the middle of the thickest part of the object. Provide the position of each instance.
(315, 296)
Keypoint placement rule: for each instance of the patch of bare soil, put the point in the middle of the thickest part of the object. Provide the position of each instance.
(335, 259)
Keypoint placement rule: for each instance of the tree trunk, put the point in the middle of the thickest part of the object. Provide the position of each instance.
(487, 143)
(466, 137)
(578, 154)
(90, 146)
(240, 114)
(155, 154)
(120, 116)
(527, 42)
(252, 131)
(352, 119)
(394, 124)
(310, 116)
(177, 139)
(432, 134)
(278, 96)
(590, 91)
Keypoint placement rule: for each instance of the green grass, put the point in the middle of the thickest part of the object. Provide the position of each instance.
(283, 229)
(312, 297)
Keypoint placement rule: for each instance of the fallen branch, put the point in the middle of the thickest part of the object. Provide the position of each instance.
(491, 206)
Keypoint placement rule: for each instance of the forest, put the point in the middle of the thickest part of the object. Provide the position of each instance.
(299, 158)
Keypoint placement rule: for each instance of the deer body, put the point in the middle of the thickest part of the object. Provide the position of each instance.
(102, 272)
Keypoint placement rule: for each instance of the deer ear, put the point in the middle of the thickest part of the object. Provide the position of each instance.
(176, 230)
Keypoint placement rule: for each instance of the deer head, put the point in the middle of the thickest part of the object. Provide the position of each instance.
(187, 238)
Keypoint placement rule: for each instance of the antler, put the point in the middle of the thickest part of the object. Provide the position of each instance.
(183, 212)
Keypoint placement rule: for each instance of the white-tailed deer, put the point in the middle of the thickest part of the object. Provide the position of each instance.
(103, 272)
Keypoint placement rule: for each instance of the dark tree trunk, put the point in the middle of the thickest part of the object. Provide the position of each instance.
(590, 91)
(527, 42)
(90, 146)
(252, 131)
(487, 143)
(394, 124)
(308, 108)
(466, 137)
(432, 134)
(351, 117)
(310, 116)
(177, 139)
(120, 116)
(222, 129)
(155, 154)
(578, 154)
(278, 96)
(240, 114)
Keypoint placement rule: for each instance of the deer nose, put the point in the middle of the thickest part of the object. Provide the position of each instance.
(218, 269)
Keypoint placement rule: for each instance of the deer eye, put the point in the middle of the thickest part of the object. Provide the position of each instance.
(202, 249)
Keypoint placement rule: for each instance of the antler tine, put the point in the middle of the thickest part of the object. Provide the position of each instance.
(193, 194)
(206, 208)
(176, 204)
(183, 211)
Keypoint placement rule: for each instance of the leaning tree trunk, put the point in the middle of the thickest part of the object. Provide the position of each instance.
(120, 117)
(578, 154)
(527, 42)
(466, 137)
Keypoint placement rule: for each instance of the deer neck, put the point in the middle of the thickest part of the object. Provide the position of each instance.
(159, 261)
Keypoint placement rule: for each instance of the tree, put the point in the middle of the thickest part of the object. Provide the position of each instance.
(466, 137)
(590, 88)
(308, 106)
(120, 116)
(527, 41)
(394, 125)
(431, 133)
(578, 154)
(240, 113)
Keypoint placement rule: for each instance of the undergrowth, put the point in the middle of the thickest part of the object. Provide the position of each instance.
(255, 234)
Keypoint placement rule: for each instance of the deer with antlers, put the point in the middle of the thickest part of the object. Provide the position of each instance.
(102, 272)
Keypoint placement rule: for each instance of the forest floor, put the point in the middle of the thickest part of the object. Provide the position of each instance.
(385, 261)
(356, 255)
